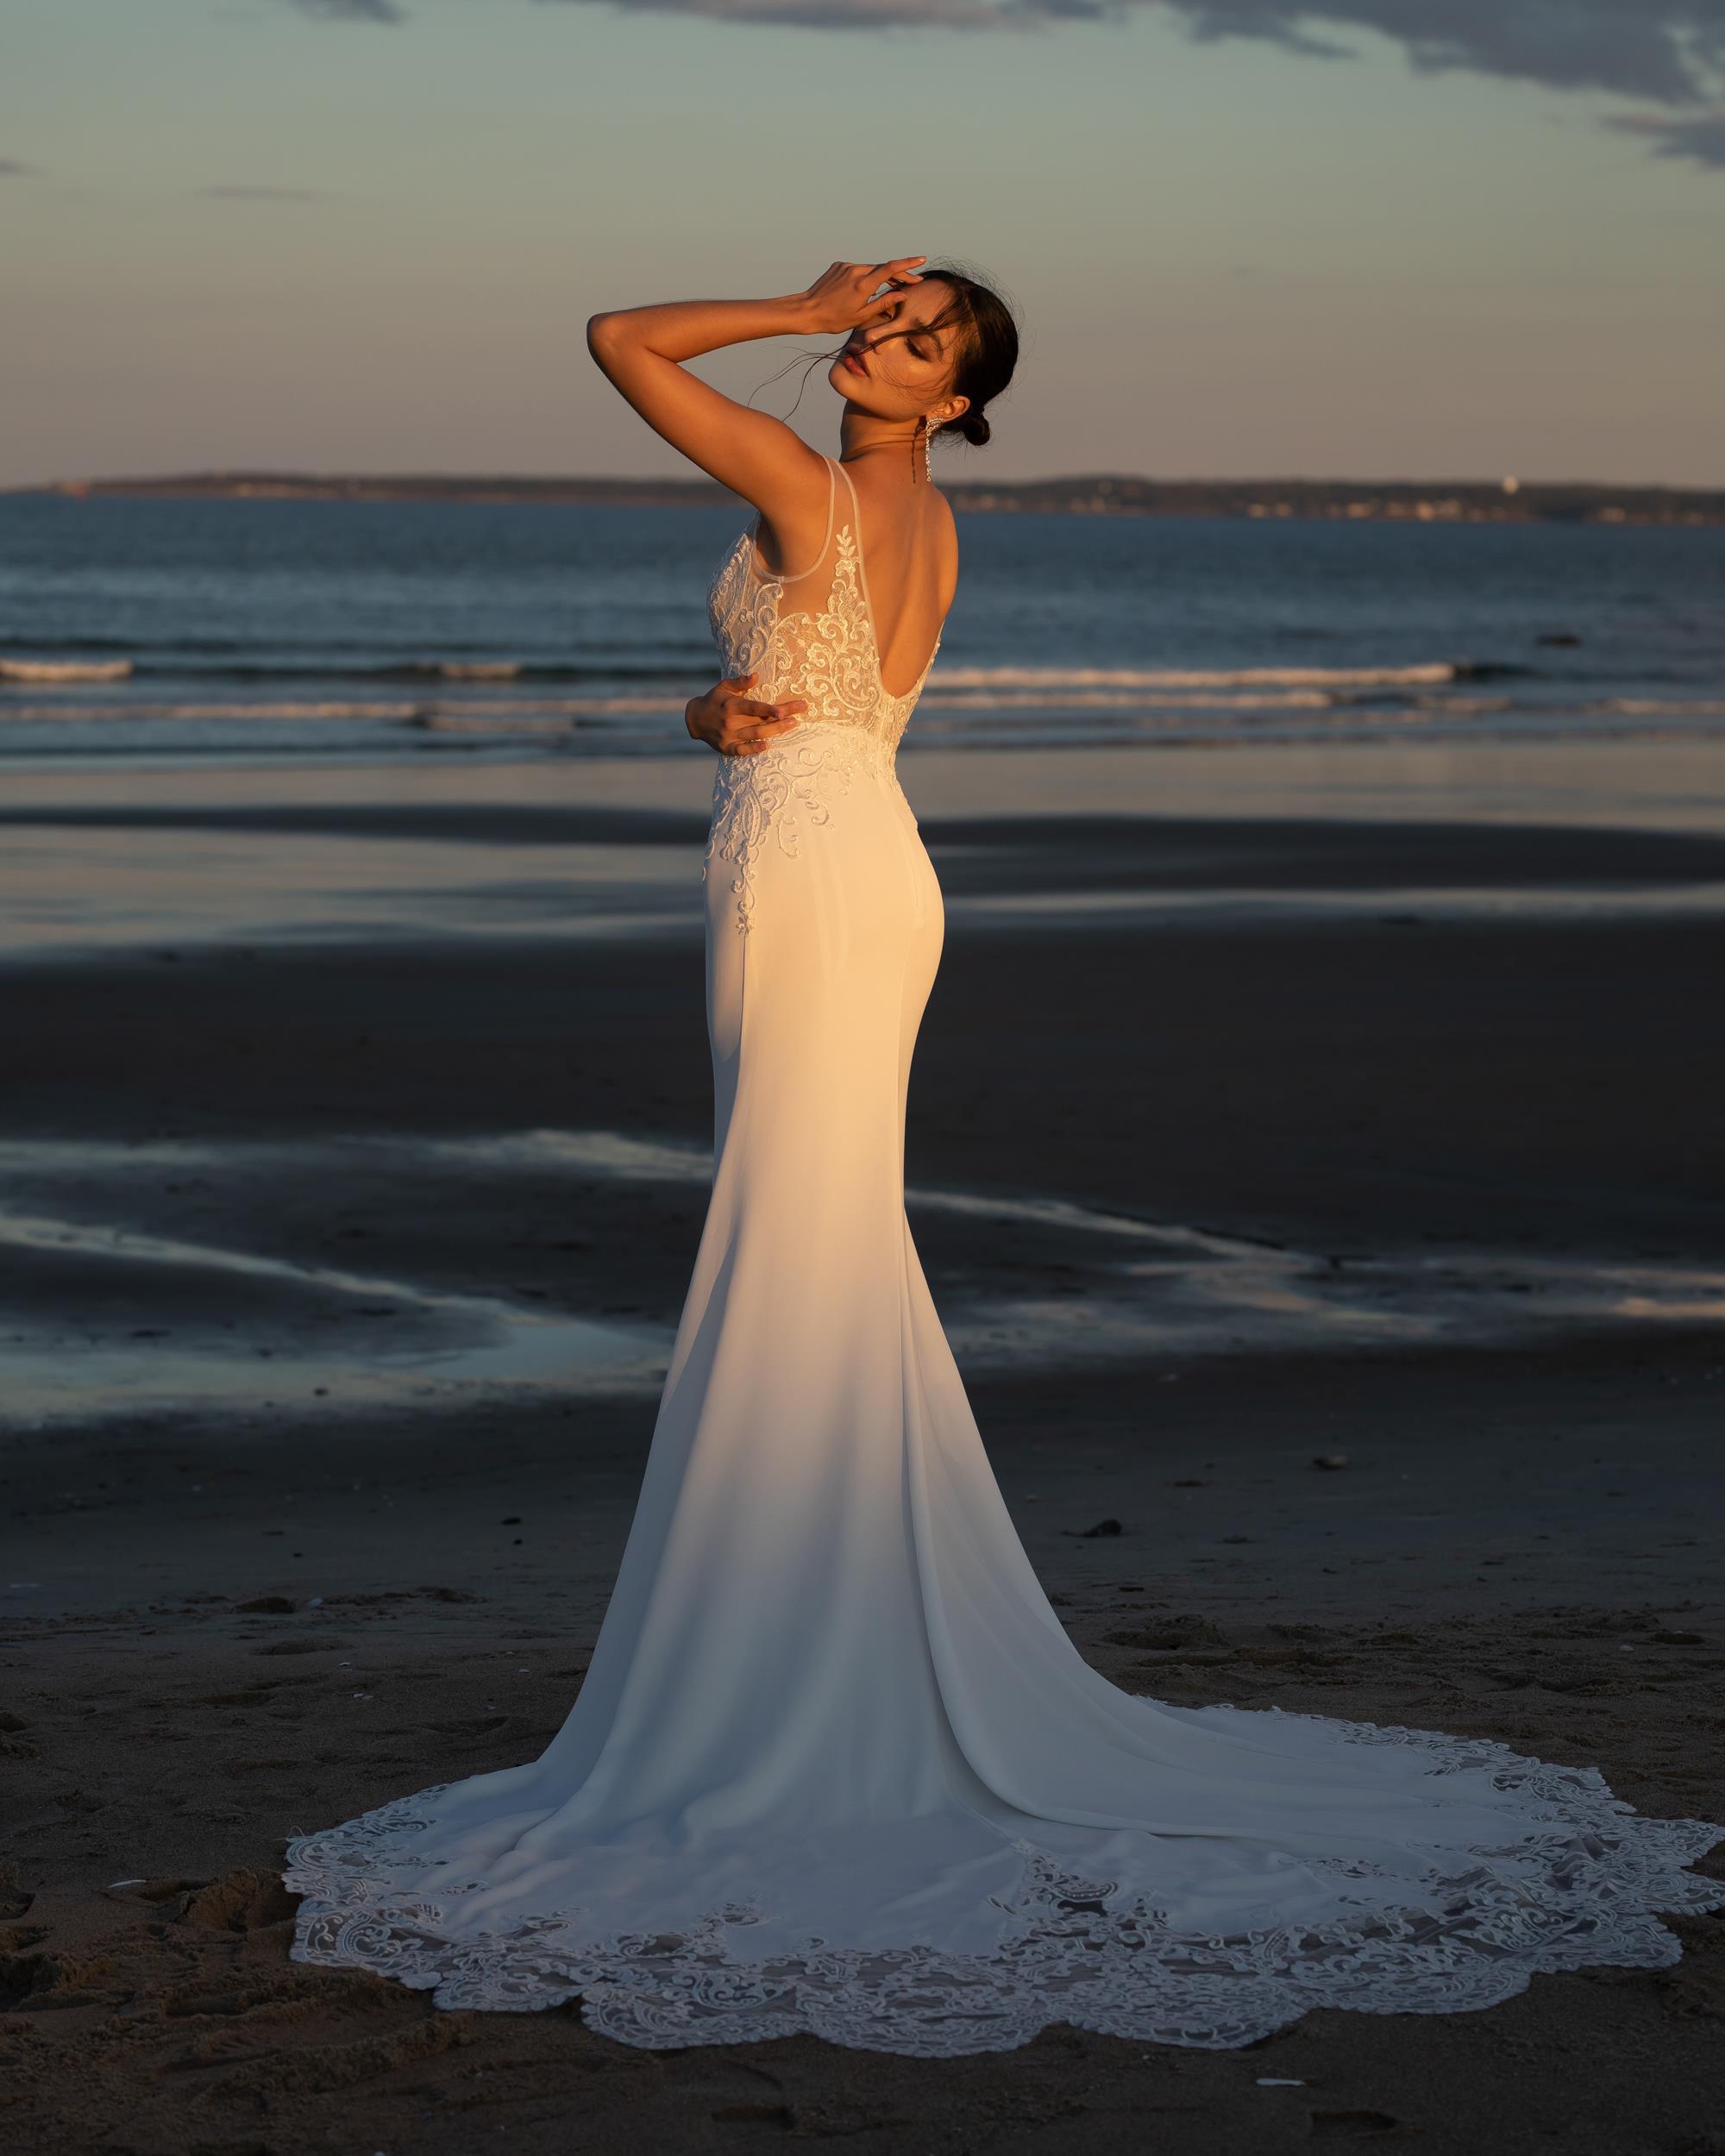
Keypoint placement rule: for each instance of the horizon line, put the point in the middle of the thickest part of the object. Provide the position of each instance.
(230, 475)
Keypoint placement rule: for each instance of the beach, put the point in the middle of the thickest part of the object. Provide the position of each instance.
(1316, 1157)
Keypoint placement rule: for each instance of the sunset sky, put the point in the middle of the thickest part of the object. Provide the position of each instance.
(1429, 238)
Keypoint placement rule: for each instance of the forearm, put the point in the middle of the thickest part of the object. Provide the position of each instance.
(684, 329)
(643, 352)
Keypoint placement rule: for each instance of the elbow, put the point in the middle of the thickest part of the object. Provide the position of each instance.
(602, 335)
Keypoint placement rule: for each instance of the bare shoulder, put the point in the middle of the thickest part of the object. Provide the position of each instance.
(797, 507)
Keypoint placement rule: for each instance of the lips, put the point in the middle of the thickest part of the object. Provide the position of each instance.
(855, 364)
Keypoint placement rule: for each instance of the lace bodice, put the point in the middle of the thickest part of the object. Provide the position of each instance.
(809, 634)
(799, 642)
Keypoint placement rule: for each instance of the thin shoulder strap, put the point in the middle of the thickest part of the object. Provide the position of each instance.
(855, 507)
(861, 564)
(797, 575)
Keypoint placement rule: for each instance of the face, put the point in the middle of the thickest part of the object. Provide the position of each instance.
(899, 367)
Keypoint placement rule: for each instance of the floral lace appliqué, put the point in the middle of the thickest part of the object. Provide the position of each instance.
(851, 729)
(775, 795)
(1576, 1883)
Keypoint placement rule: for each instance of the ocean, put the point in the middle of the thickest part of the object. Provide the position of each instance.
(207, 629)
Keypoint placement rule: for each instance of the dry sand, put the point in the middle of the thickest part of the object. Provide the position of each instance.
(351, 1178)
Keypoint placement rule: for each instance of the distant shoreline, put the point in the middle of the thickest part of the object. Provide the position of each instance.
(1408, 501)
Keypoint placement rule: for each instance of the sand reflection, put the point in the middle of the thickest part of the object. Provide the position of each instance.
(106, 1309)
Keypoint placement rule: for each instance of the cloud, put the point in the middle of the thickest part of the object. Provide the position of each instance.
(1668, 49)
(11, 169)
(1701, 136)
(265, 194)
(1672, 52)
(350, 10)
(884, 15)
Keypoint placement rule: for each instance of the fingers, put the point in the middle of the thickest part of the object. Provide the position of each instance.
(745, 727)
(898, 275)
(740, 707)
(761, 735)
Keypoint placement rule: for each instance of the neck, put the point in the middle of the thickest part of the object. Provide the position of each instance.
(895, 442)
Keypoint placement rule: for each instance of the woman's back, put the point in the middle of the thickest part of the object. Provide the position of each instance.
(865, 613)
(910, 554)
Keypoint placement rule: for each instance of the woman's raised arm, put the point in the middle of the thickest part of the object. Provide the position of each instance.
(642, 351)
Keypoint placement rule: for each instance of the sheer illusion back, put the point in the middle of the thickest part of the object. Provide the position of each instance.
(836, 1766)
(812, 633)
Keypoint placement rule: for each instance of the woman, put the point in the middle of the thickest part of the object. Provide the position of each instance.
(836, 1766)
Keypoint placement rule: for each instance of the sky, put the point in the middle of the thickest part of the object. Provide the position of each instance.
(1365, 239)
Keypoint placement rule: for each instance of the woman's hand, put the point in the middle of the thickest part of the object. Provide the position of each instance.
(732, 725)
(843, 299)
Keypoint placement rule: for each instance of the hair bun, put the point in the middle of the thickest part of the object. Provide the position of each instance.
(975, 429)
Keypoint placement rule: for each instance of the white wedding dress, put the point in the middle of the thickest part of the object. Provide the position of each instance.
(836, 1767)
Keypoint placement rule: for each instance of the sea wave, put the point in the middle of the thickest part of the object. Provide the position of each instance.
(938, 696)
(1662, 707)
(43, 671)
(1063, 678)
(126, 714)
(415, 713)
(462, 669)
(959, 706)
(665, 662)
(231, 662)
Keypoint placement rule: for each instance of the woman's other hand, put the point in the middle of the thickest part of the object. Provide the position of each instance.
(843, 299)
(732, 724)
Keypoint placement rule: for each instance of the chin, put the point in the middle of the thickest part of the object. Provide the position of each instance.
(861, 390)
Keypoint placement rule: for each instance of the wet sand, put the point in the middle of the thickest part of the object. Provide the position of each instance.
(1269, 1108)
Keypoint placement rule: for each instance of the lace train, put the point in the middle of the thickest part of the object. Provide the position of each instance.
(1468, 1933)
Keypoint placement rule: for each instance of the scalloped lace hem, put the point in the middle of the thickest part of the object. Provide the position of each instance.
(1470, 1931)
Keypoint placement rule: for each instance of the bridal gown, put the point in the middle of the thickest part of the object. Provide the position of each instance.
(836, 1767)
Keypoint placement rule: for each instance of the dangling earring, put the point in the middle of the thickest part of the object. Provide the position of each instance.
(927, 448)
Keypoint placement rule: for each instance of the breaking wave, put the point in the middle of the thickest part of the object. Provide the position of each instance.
(44, 671)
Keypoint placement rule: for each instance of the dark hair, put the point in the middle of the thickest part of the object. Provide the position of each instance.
(987, 348)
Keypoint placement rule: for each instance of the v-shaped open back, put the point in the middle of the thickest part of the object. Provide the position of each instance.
(867, 599)
(811, 633)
